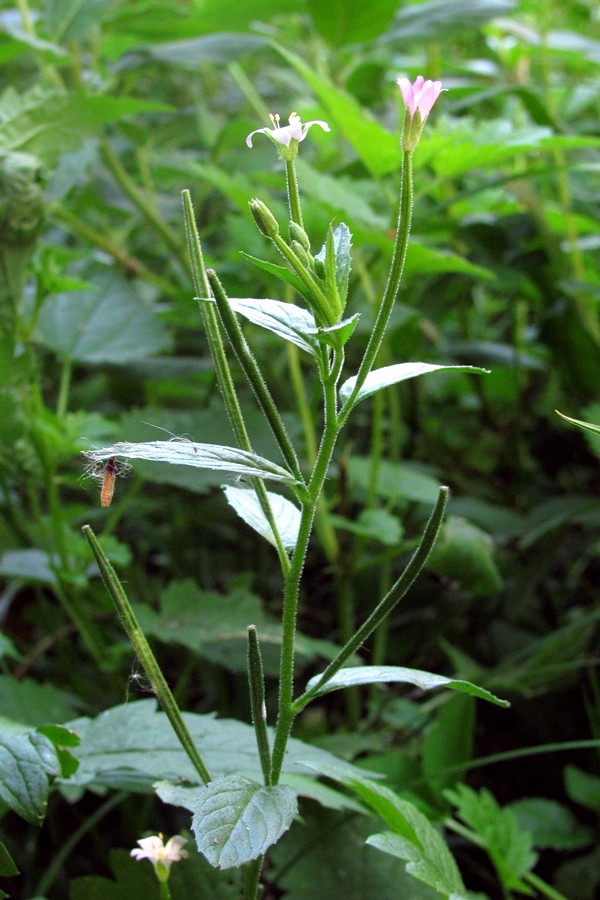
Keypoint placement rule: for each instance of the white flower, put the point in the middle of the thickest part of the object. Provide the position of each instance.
(152, 848)
(295, 131)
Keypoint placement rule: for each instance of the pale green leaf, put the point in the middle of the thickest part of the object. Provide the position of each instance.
(551, 824)
(388, 375)
(465, 553)
(199, 456)
(426, 681)
(587, 426)
(286, 320)
(236, 819)
(286, 515)
(27, 762)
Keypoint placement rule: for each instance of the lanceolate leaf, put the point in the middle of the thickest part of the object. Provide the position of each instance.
(286, 320)
(426, 681)
(287, 516)
(388, 375)
(236, 819)
(279, 272)
(200, 456)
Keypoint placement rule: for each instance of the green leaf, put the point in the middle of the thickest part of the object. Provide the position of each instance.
(28, 565)
(339, 334)
(110, 322)
(236, 820)
(395, 481)
(509, 847)
(448, 743)
(286, 515)
(132, 746)
(191, 53)
(426, 681)
(31, 703)
(388, 375)
(465, 553)
(7, 866)
(69, 20)
(437, 20)
(215, 626)
(349, 21)
(378, 149)
(414, 838)
(199, 456)
(27, 763)
(335, 256)
(279, 272)
(583, 788)
(587, 426)
(292, 323)
(372, 524)
(551, 824)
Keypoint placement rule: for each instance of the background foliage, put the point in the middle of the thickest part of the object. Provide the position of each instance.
(108, 109)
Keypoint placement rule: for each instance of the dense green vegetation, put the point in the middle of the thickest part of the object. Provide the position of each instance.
(109, 109)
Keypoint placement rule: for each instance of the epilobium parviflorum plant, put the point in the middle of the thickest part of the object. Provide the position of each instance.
(237, 817)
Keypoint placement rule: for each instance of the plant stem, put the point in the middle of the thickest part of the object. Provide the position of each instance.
(286, 713)
(393, 284)
(293, 193)
(251, 878)
(145, 655)
(385, 606)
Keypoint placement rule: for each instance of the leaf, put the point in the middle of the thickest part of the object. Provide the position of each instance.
(27, 762)
(388, 375)
(28, 565)
(32, 703)
(587, 426)
(465, 553)
(583, 788)
(107, 323)
(395, 481)
(337, 260)
(551, 824)
(292, 323)
(215, 626)
(448, 743)
(286, 515)
(347, 21)
(426, 681)
(508, 845)
(7, 864)
(339, 334)
(414, 838)
(69, 20)
(200, 456)
(236, 820)
(372, 524)
(191, 53)
(131, 746)
(281, 273)
(436, 20)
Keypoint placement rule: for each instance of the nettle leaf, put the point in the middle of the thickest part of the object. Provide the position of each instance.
(199, 456)
(108, 323)
(290, 322)
(426, 681)
(215, 626)
(286, 515)
(388, 375)
(499, 832)
(27, 763)
(132, 746)
(236, 819)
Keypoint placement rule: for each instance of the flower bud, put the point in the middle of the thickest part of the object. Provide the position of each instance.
(301, 253)
(264, 218)
(297, 233)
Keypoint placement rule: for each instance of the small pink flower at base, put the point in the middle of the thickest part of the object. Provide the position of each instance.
(161, 855)
(419, 99)
(288, 136)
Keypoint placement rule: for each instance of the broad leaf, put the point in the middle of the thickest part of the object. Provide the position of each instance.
(388, 375)
(27, 762)
(236, 819)
(426, 681)
(395, 481)
(286, 515)
(110, 322)
(199, 456)
(31, 703)
(465, 553)
(132, 746)
(551, 824)
(69, 20)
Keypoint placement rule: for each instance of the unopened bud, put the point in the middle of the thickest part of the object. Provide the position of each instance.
(264, 218)
(301, 253)
(297, 233)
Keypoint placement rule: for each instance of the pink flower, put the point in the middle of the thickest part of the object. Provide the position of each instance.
(419, 99)
(152, 848)
(295, 131)
(419, 96)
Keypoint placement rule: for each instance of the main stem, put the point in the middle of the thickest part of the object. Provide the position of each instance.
(291, 588)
